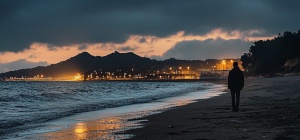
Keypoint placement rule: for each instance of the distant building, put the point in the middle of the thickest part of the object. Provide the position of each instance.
(172, 76)
(214, 75)
(227, 64)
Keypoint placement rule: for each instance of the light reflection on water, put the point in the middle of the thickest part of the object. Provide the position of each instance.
(102, 128)
(80, 130)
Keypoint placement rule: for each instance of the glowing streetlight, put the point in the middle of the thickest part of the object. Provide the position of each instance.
(223, 63)
(180, 69)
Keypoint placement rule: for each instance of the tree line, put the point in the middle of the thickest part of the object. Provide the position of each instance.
(269, 56)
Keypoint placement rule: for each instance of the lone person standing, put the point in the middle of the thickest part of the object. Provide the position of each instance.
(235, 84)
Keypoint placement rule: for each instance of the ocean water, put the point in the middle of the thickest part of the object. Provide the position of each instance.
(27, 105)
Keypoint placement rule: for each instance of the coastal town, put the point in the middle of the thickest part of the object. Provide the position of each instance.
(219, 70)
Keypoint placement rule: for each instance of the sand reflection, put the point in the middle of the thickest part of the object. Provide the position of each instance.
(105, 128)
(180, 103)
(80, 130)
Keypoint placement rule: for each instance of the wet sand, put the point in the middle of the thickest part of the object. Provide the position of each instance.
(269, 109)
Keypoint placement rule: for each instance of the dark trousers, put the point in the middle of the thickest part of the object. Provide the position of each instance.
(235, 98)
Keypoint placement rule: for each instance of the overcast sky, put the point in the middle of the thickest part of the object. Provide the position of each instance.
(43, 32)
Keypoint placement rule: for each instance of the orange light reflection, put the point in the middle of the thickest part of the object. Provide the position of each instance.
(102, 128)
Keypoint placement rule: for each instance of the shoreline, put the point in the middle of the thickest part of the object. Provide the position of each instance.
(269, 109)
(112, 122)
(127, 80)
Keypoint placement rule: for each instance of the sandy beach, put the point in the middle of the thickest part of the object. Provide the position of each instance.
(269, 109)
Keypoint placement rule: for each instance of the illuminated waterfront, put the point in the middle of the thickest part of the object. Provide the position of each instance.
(163, 73)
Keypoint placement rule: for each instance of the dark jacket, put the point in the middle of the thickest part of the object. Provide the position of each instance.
(236, 79)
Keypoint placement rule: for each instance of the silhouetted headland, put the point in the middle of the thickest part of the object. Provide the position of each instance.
(120, 66)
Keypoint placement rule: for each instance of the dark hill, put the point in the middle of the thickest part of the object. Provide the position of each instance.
(115, 63)
(82, 63)
(129, 60)
(72, 66)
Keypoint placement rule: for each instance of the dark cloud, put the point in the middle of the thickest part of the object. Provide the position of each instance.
(207, 49)
(32, 56)
(20, 64)
(51, 47)
(127, 48)
(76, 21)
(142, 40)
(82, 47)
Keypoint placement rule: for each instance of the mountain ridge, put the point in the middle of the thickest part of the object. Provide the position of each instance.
(116, 62)
(80, 63)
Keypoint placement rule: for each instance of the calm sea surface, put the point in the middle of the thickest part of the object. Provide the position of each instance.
(25, 105)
